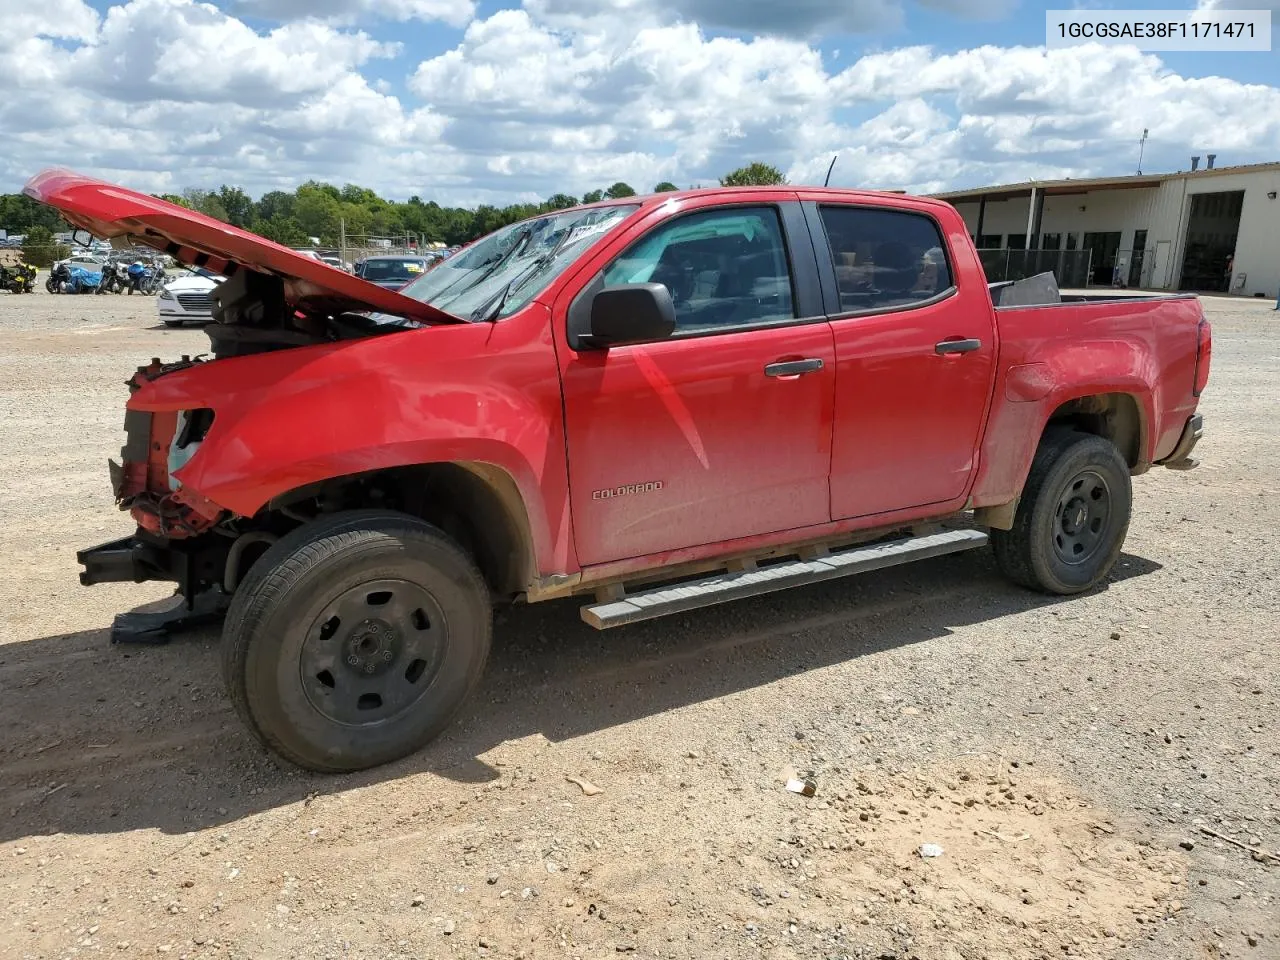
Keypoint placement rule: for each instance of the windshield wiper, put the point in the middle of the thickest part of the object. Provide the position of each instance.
(484, 313)
(495, 265)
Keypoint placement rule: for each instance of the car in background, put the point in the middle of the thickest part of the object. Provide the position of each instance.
(393, 272)
(86, 261)
(188, 299)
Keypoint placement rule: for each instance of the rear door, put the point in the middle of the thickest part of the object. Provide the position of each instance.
(722, 431)
(915, 355)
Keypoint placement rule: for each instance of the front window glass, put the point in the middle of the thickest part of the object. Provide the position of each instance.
(724, 268)
(500, 273)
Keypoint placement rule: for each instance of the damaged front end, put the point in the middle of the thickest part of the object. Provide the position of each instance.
(156, 446)
(174, 539)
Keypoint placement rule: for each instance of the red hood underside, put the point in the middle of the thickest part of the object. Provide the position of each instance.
(108, 211)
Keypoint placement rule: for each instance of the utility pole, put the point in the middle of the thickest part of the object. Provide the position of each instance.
(1142, 147)
(342, 239)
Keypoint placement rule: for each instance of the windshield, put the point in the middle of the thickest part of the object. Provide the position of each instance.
(513, 265)
(391, 269)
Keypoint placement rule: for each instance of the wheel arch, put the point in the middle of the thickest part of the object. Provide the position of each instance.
(1116, 416)
(1118, 413)
(478, 504)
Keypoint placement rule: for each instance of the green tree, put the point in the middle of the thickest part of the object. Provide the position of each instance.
(754, 175)
(560, 201)
(594, 196)
(275, 204)
(666, 186)
(207, 202)
(238, 206)
(173, 198)
(38, 248)
(284, 230)
(321, 187)
(319, 212)
(19, 213)
(619, 190)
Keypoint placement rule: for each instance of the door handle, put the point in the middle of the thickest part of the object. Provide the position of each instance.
(957, 346)
(793, 368)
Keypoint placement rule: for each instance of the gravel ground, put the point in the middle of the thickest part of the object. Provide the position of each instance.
(1066, 755)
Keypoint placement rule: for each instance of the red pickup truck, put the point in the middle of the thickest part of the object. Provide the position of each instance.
(658, 403)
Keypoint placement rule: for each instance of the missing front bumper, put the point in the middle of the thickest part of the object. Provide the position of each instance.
(128, 560)
(194, 567)
(192, 563)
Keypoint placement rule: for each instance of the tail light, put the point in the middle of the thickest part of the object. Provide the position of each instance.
(1204, 350)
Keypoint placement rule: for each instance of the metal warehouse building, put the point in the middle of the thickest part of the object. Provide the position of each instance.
(1209, 229)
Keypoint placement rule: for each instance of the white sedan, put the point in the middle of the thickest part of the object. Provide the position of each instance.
(88, 261)
(188, 299)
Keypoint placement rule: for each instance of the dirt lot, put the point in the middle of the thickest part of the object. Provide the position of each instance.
(1065, 755)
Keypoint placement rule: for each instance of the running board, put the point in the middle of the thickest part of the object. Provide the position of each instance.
(751, 583)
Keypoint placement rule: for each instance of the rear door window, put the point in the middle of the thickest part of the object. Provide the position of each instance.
(885, 259)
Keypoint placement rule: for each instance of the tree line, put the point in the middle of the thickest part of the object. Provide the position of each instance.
(325, 211)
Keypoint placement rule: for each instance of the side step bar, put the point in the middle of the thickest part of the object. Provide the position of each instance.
(751, 583)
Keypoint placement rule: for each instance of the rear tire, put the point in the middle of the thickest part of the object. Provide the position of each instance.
(1071, 522)
(355, 639)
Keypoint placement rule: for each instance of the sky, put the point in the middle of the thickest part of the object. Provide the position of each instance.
(497, 101)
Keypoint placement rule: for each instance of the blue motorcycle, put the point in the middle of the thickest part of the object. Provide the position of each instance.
(145, 278)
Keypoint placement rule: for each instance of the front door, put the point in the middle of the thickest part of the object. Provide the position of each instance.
(722, 431)
(915, 359)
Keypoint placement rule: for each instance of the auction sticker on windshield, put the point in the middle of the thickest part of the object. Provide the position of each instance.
(1234, 31)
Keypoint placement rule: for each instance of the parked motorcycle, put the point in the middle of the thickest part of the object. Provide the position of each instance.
(67, 279)
(145, 278)
(115, 277)
(18, 278)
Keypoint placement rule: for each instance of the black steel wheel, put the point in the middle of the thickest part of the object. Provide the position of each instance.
(354, 640)
(1071, 522)
(1081, 520)
(373, 652)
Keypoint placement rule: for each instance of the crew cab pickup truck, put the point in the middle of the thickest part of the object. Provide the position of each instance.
(657, 403)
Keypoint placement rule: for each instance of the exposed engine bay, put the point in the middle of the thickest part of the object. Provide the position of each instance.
(253, 314)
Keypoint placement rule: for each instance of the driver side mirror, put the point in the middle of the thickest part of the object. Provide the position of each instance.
(631, 313)
(82, 238)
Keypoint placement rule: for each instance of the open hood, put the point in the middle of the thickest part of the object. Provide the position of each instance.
(109, 211)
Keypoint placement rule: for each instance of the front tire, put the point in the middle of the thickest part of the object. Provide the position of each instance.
(355, 639)
(1071, 522)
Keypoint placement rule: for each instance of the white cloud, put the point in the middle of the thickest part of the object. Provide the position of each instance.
(165, 94)
(64, 19)
(171, 93)
(697, 106)
(456, 13)
(185, 51)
